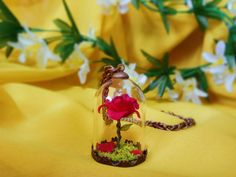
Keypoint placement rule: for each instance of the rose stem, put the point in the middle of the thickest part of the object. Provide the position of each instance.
(118, 126)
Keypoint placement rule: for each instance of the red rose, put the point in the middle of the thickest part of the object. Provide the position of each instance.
(106, 147)
(121, 106)
(136, 152)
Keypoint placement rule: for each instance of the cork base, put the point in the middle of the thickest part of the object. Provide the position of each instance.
(105, 160)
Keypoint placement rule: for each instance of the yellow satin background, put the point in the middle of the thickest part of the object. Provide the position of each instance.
(46, 115)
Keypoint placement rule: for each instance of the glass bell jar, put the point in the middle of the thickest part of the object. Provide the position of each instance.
(119, 121)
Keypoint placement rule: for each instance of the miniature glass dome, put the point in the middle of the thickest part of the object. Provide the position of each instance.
(119, 121)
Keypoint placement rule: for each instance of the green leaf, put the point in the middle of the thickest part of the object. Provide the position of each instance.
(68, 49)
(136, 3)
(7, 14)
(151, 59)
(2, 45)
(202, 21)
(74, 26)
(9, 50)
(170, 11)
(114, 51)
(109, 61)
(187, 73)
(213, 3)
(162, 84)
(165, 61)
(169, 83)
(64, 49)
(52, 39)
(230, 61)
(59, 47)
(197, 73)
(126, 127)
(203, 81)
(151, 86)
(197, 3)
(108, 49)
(165, 22)
(230, 51)
(162, 75)
(8, 32)
(171, 70)
(192, 72)
(8, 27)
(104, 46)
(159, 4)
(210, 10)
(154, 72)
(63, 26)
(4, 41)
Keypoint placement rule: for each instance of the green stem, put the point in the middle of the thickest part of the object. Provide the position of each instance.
(86, 38)
(184, 11)
(43, 30)
(149, 7)
(52, 39)
(118, 126)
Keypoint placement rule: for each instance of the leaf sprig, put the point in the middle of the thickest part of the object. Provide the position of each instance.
(113, 58)
(161, 73)
(198, 73)
(157, 6)
(201, 11)
(9, 28)
(70, 35)
(230, 51)
(209, 10)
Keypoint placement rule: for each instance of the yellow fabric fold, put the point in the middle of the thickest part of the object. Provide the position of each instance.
(51, 136)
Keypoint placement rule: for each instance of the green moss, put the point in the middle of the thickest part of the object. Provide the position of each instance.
(122, 153)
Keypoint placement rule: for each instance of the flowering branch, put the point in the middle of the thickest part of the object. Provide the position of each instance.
(161, 71)
(9, 28)
(199, 8)
(166, 77)
(69, 42)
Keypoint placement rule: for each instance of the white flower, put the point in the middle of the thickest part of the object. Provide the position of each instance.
(218, 78)
(231, 5)
(139, 79)
(218, 61)
(78, 58)
(31, 46)
(123, 6)
(91, 33)
(229, 78)
(219, 68)
(190, 90)
(172, 94)
(189, 3)
(109, 5)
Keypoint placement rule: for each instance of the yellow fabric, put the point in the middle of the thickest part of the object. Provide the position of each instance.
(46, 116)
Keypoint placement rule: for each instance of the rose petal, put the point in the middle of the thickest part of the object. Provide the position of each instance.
(137, 152)
(115, 115)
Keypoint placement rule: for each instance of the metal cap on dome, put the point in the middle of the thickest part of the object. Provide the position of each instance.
(120, 75)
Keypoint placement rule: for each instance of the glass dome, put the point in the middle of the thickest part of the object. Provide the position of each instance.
(119, 121)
